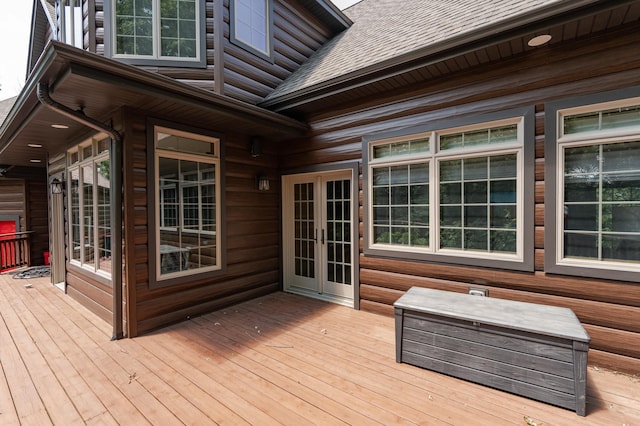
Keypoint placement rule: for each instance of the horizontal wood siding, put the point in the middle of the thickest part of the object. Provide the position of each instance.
(12, 200)
(252, 225)
(296, 36)
(200, 77)
(609, 310)
(96, 294)
(37, 222)
(244, 75)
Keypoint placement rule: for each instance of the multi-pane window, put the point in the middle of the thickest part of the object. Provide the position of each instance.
(89, 205)
(401, 204)
(157, 29)
(187, 211)
(450, 192)
(598, 186)
(250, 24)
(478, 203)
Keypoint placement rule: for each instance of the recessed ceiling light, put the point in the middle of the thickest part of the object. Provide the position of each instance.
(59, 126)
(34, 145)
(35, 160)
(539, 40)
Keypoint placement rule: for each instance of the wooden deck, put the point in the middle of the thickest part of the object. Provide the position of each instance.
(280, 359)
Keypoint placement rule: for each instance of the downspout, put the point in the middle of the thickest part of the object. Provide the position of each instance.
(116, 204)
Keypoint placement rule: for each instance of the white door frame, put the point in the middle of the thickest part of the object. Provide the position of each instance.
(316, 238)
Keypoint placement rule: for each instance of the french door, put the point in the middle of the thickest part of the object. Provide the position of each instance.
(318, 235)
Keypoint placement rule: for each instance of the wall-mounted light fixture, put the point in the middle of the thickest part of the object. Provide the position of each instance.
(256, 147)
(56, 186)
(263, 183)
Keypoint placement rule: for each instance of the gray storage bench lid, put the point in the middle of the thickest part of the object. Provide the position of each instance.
(529, 317)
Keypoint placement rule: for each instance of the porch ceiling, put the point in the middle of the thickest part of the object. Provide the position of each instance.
(99, 87)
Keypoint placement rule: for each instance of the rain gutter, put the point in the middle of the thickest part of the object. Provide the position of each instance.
(516, 26)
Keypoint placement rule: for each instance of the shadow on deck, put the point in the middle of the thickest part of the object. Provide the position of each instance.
(278, 359)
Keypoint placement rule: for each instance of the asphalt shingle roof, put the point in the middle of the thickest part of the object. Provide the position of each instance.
(5, 107)
(386, 29)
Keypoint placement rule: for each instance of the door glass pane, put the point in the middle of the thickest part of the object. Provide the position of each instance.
(304, 257)
(338, 227)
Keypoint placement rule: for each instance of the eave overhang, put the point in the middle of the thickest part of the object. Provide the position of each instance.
(99, 86)
(521, 27)
(329, 13)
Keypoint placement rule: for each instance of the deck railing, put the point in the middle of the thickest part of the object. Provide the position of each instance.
(14, 250)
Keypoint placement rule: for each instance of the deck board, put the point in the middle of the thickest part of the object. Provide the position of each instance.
(279, 359)
(48, 366)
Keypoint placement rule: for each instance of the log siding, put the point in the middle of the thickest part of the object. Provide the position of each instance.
(609, 309)
(250, 252)
(296, 35)
(230, 69)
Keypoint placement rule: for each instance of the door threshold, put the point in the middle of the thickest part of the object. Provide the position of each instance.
(62, 286)
(327, 298)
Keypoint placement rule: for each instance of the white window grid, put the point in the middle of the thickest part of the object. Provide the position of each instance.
(433, 157)
(599, 137)
(157, 36)
(87, 156)
(251, 25)
(209, 175)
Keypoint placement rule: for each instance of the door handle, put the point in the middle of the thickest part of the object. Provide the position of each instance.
(322, 237)
(315, 235)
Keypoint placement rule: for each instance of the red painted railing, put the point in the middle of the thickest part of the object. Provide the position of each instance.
(14, 250)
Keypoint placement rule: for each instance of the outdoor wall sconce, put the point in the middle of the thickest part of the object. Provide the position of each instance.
(256, 147)
(263, 183)
(56, 186)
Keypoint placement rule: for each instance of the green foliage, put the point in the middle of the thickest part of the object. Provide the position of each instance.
(104, 169)
(404, 238)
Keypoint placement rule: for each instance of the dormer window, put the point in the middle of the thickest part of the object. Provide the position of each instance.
(251, 25)
(148, 31)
